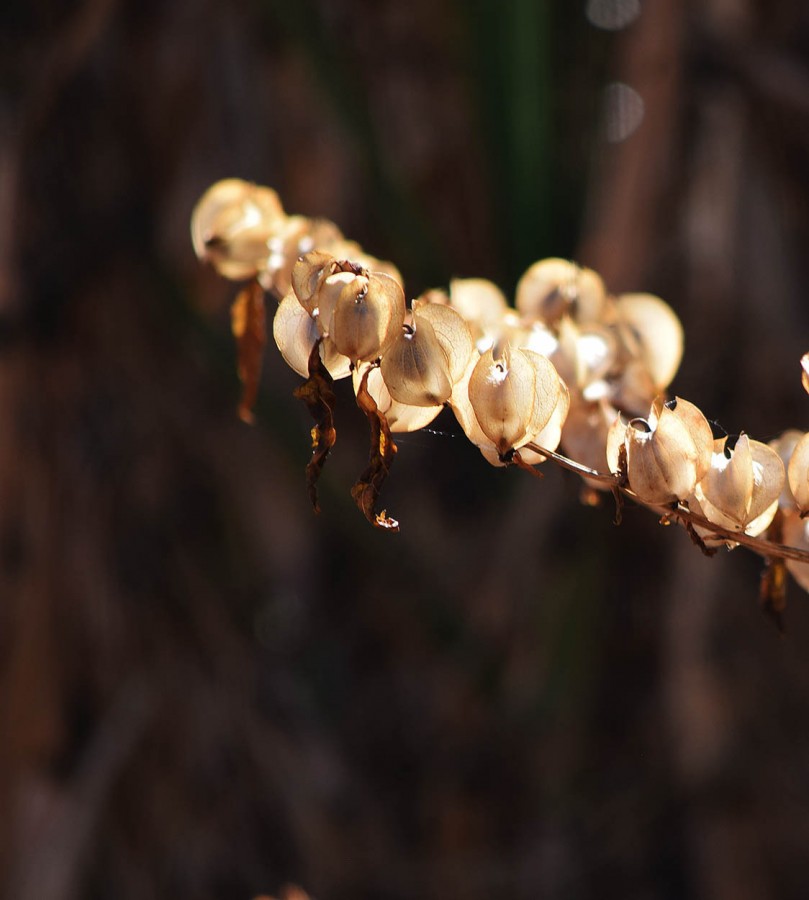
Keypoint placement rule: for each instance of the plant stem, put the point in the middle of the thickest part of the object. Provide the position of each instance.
(679, 512)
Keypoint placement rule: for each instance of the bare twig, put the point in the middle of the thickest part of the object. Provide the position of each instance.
(678, 512)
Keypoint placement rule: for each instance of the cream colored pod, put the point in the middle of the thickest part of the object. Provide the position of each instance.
(482, 305)
(798, 474)
(511, 399)
(666, 454)
(362, 312)
(651, 334)
(295, 333)
(796, 534)
(740, 490)
(554, 288)
(428, 357)
(232, 224)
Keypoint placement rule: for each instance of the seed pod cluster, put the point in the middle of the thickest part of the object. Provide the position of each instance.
(241, 229)
(612, 352)
(568, 365)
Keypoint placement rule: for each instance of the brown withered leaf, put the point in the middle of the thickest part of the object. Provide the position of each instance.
(248, 323)
(366, 491)
(773, 591)
(697, 540)
(316, 392)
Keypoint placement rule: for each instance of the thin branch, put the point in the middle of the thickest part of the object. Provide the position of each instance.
(680, 512)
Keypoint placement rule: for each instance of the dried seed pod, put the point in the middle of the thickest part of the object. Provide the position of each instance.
(784, 445)
(513, 397)
(666, 454)
(416, 367)
(308, 273)
(295, 333)
(798, 474)
(553, 288)
(584, 436)
(796, 534)
(740, 490)
(297, 236)
(400, 416)
(231, 225)
(584, 357)
(551, 434)
(652, 334)
(482, 305)
(451, 331)
(368, 315)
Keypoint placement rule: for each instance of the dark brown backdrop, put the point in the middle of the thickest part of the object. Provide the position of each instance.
(205, 691)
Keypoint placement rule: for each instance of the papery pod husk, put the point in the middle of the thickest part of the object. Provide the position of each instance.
(697, 426)
(401, 417)
(795, 533)
(584, 434)
(784, 445)
(502, 393)
(482, 305)
(551, 434)
(298, 236)
(805, 372)
(585, 356)
(741, 493)
(666, 454)
(367, 317)
(798, 474)
(538, 337)
(415, 366)
(451, 331)
(308, 273)
(652, 333)
(230, 226)
(658, 473)
(295, 333)
(633, 389)
(513, 397)
(462, 407)
(553, 288)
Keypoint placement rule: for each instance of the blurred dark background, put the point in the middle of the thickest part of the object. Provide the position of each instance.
(206, 691)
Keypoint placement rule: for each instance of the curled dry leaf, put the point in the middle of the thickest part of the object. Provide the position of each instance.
(316, 392)
(400, 416)
(247, 318)
(383, 450)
